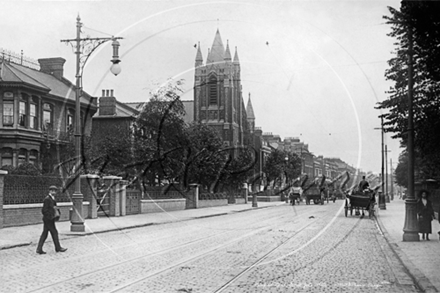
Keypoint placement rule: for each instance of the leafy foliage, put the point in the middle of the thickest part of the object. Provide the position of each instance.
(158, 133)
(281, 163)
(422, 19)
(23, 169)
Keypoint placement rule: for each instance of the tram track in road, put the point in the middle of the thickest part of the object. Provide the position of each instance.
(193, 258)
(271, 252)
(214, 250)
(262, 224)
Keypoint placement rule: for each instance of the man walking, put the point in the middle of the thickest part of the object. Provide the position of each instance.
(50, 215)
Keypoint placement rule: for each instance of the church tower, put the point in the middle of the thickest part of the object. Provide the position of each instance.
(218, 98)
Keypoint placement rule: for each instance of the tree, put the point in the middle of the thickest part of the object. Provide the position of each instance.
(238, 167)
(109, 153)
(158, 131)
(276, 166)
(202, 155)
(422, 19)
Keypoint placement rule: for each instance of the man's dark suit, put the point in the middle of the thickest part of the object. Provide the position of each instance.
(48, 211)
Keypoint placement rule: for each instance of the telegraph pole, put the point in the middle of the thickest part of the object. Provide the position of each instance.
(382, 204)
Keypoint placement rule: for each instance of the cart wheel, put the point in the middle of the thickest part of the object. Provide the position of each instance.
(346, 211)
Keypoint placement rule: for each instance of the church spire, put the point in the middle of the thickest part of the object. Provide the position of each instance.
(227, 53)
(217, 49)
(250, 115)
(199, 58)
(236, 61)
(249, 109)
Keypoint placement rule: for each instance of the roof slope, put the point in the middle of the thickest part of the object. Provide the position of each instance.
(15, 73)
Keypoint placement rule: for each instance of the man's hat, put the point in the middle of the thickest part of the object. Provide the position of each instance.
(53, 187)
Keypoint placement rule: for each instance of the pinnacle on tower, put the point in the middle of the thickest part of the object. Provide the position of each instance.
(199, 58)
(249, 109)
(227, 53)
(236, 60)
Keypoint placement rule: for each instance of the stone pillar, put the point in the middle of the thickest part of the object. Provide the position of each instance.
(123, 196)
(113, 183)
(192, 199)
(89, 185)
(246, 194)
(2, 189)
(196, 196)
(254, 200)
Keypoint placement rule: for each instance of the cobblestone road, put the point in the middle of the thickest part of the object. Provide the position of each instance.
(280, 249)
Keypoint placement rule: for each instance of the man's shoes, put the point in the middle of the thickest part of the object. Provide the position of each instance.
(41, 252)
(61, 249)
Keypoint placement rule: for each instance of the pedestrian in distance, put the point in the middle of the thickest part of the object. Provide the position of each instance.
(51, 214)
(438, 218)
(425, 213)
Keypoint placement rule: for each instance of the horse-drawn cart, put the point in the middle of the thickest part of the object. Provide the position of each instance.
(295, 195)
(360, 201)
(314, 193)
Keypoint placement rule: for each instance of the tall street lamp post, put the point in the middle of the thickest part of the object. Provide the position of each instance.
(410, 229)
(84, 47)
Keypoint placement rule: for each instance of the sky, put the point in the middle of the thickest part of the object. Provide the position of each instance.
(313, 69)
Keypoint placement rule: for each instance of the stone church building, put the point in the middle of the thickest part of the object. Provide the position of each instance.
(218, 100)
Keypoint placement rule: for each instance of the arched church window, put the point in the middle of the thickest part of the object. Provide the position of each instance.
(213, 93)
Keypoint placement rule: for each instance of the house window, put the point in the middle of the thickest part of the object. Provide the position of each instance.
(47, 116)
(213, 94)
(22, 156)
(6, 157)
(8, 113)
(33, 157)
(33, 122)
(69, 120)
(22, 114)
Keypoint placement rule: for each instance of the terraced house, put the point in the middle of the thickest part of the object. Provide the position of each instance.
(37, 112)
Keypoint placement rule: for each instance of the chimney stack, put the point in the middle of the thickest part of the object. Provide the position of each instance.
(52, 66)
(107, 103)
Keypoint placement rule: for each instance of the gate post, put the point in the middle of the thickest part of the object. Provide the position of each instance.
(255, 200)
(90, 185)
(113, 183)
(123, 196)
(246, 193)
(2, 189)
(192, 200)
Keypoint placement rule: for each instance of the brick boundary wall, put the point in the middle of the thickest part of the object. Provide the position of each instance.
(29, 214)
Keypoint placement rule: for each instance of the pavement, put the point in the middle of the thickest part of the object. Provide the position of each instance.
(421, 258)
(17, 236)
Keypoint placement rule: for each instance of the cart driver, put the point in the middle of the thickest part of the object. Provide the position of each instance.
(363, 184)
